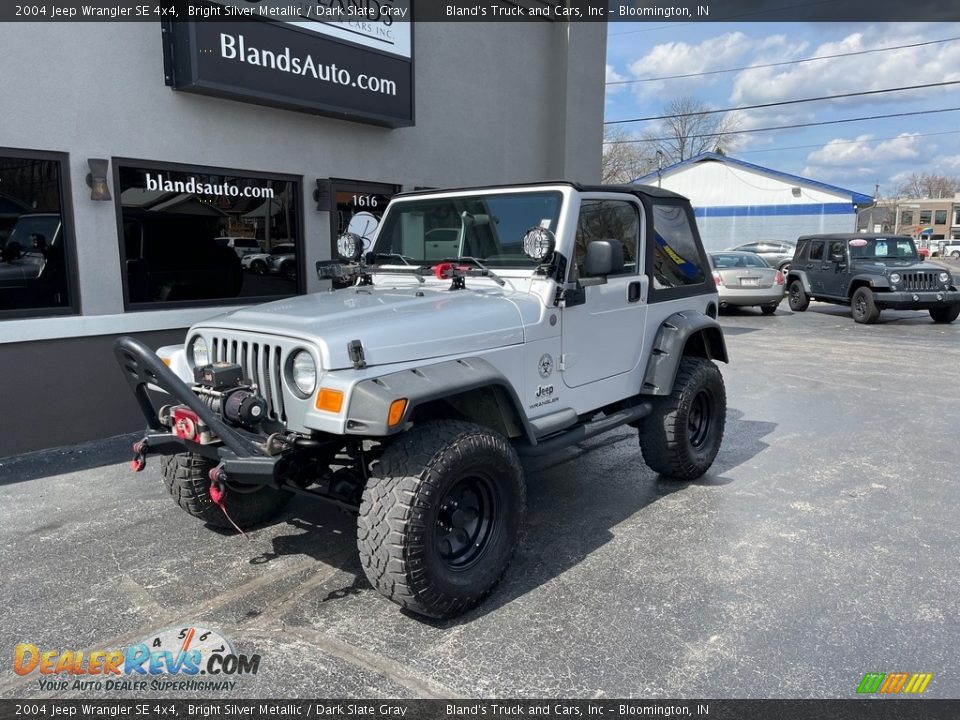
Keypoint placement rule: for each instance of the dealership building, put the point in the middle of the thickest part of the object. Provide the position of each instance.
(155, 174)
(738, 202)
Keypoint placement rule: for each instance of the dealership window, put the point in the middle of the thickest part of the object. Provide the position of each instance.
(925, 216)
(676, 259)
(35, 238)
(906, 217)
(196, 236)
(940, 217)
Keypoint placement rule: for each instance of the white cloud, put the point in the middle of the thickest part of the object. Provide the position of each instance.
(612, 75)
(870, 71)
(680, 58)
(862, 153)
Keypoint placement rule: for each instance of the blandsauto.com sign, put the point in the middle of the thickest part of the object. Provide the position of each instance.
(359, 70)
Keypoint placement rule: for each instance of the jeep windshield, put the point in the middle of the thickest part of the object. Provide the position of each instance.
(488, 227)
(896, 248)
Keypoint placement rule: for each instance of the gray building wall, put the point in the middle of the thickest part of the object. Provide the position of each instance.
(495, 102)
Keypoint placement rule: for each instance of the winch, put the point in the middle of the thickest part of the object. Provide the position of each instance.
(222, 388)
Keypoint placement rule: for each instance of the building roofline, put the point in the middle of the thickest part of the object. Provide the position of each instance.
(855, 197)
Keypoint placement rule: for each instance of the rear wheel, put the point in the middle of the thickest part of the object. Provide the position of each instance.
(798, 299)
(769, 309)
(863, 307)
(259, 267)
(945, 314)
(186, 476)
(441, 516)
(681, 436)
(955, 254)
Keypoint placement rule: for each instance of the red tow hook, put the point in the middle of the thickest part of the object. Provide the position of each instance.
(218, 476)
(140, 450)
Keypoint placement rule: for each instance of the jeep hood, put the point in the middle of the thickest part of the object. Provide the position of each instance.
(395, 325)
(881, 264)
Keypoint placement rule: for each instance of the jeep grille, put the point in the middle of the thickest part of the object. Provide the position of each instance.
(262, 364)
(920, 281)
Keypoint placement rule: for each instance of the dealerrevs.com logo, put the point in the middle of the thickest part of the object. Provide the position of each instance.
(185, 658)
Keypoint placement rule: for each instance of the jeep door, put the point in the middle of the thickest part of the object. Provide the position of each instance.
(812, 265)
(603, 335)
(835, 273)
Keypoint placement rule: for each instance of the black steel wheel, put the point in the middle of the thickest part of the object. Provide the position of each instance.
(863, 307)
(466, 520)
(797, 297)
(440, 517)
(682, 435)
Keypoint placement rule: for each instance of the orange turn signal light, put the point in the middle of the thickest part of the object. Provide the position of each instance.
(329, 400)
(167, 361)
(397, 408)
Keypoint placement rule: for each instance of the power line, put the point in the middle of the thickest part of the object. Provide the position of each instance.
(832, 143)
(781, 64)
(784, 102)
(788, 127)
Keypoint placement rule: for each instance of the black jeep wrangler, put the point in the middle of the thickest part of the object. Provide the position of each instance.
(869, 273)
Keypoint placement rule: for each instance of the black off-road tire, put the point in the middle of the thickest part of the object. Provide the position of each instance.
(680, 438)
(796, 297)
(863, 307)
(409, 529)
(187, 480)
(946, 314)
(769, 309)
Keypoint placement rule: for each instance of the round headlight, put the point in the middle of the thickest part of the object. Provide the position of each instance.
(199, 352)
(894, 278)
(303, 371)
(944, 277)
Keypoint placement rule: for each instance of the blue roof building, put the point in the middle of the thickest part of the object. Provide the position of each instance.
(738, 202)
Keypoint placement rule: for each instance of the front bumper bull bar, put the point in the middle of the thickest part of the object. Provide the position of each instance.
(241, 460)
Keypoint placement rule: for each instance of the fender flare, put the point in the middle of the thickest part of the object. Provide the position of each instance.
(683, 333)
(801, 276)
(874, 282)
(371, 398)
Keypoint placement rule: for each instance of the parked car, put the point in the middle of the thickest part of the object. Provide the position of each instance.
(950, 249)
(240, 245)
(283, 263)
(744, 279)
(777, 254)
(870, 272)
(32, 263)
(259, 263)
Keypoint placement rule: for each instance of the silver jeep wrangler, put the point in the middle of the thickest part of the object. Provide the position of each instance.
(482, 325)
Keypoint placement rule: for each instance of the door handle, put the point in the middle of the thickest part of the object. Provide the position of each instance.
(633, 292)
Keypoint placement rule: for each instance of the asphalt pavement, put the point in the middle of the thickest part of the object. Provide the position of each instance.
(823, 544)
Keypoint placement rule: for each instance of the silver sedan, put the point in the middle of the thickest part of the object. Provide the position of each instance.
(745, 278)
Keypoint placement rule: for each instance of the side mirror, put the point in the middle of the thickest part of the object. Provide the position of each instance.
(604, 257)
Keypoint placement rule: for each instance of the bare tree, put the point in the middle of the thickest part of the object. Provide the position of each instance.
(688, 130)
(624, 157)
(929, 185)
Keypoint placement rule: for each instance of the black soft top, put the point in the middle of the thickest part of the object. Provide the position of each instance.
(638, 190)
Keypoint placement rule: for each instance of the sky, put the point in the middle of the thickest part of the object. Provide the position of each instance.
(858, 155)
